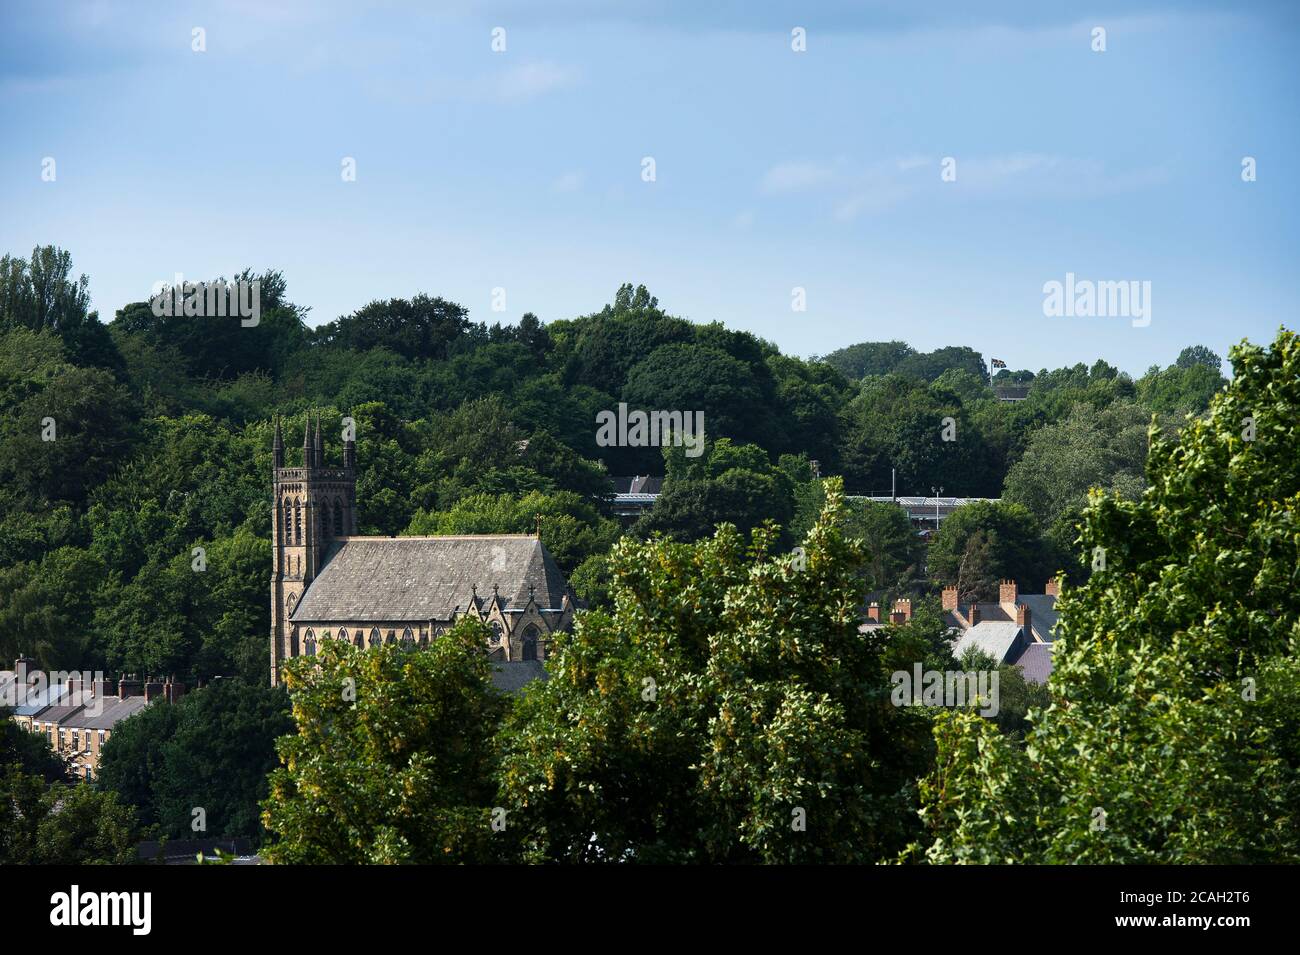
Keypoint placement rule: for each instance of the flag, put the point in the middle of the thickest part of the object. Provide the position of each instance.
(999, 363)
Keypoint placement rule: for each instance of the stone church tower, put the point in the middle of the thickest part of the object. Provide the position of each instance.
(314, 505)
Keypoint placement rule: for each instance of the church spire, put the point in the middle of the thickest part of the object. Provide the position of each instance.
(349, 448)
(277, 446)
(320, 444)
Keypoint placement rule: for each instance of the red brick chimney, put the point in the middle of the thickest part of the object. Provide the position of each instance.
(903, 608)
(129, 686)
(1022, 619)
(974, 615)
(173, 690)
(152, 690)
(1053, 588)
(873, 612)
(1007, 593)
(950, 599)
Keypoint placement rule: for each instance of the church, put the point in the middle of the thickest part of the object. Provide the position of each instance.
(329, 583)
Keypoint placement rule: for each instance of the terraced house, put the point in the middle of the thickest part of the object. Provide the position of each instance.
(78, 717)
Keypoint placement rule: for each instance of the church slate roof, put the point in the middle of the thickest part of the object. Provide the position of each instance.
(426, 578)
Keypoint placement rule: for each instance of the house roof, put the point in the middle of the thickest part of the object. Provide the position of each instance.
(1036, 662)
(107, 716)
(1042, 614)
(637, 484)
(37, 701)
(997, 638)
(428, 578)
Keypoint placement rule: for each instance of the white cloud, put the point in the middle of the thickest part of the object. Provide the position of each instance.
(530, 80)
(569, 182)
(798, 176)
(854, 191)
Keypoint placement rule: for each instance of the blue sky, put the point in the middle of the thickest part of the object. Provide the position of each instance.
(774, 169)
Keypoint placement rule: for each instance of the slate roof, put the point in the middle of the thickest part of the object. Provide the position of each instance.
(1042, 614)
(1036, 662)
(511, 676)
(36, 702)
(113, 711)
(997, 638)
(427, 578)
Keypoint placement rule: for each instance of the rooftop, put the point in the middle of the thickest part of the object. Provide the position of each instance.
(428, 578)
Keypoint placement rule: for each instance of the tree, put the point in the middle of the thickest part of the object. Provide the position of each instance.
(1173, 736)
(55, 824)
(40, 294)
(726, 710)
(210, 750)
(419, 327)
(1199, 355)
(890, 542)
(1063, 461)
(29, 752)
(986, 541)
(1180, 389)
(729, 483)
(393, 760)
(868, 358)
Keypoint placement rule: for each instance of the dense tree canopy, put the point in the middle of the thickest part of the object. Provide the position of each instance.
(134, 497)
(1173, 733)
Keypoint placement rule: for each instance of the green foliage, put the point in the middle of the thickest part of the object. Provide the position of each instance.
(729, 483)
(892, 549)
(572, 527)
(868, 358)
(57, 824)
(212, 749)
(1090, 449)
(985, 542)
(28, 752)
(726, 710)
(421, 327)
(1173, 735)
(393, 759)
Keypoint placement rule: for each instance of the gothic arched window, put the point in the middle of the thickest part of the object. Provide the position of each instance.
(361, 639)
(297, 521)
(408, 638)
(374, 636)
(343, 634)
(309, 645)
(530, 643)
(286, 525)
(338, 519)
(293, 641)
